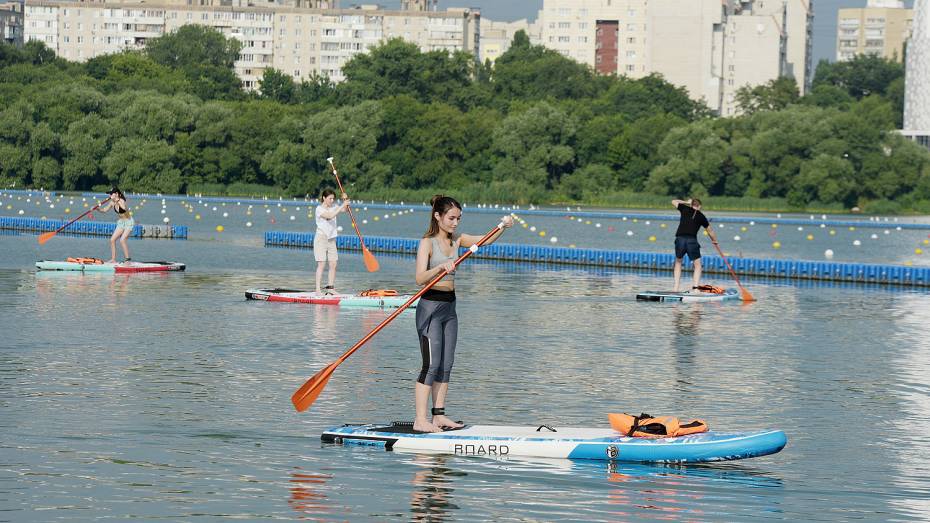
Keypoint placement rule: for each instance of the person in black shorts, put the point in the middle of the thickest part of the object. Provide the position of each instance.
(692, 219)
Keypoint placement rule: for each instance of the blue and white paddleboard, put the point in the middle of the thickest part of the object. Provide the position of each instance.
(561, 442)
(729, 294)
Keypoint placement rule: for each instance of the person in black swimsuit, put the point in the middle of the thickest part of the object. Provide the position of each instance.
(124, 223)
(692, 219)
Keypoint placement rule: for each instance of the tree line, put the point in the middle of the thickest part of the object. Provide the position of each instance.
(533, 127)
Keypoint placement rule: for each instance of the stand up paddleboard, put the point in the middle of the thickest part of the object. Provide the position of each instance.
(344, 300)
(124, 267)
(729, 294)
(561, 442)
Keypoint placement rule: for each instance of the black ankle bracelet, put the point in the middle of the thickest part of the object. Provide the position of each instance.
(441, 411)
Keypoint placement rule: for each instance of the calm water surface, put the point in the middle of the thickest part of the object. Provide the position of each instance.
(167, 396)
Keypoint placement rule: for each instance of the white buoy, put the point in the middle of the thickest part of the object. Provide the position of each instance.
(364, 222)
(597, 225)
(248, 224)
(629, 233)
(828, 254)
(887, 231)
(533, 228)
(874, 237)
(293, 217)
(553, 239)
(163, 211)
(736, 238)
(166, 219)
(857, 243)
(225, 215)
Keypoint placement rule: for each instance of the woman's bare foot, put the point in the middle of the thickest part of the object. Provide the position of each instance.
(111, 260)
(445, 423)
(421, 425)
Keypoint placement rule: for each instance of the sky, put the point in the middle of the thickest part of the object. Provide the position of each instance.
(509, 10)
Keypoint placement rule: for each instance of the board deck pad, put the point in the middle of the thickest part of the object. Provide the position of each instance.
(545, 441)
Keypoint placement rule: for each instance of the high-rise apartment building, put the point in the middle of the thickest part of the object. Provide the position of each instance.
(11, 23)
(881, 28)
(293, 38)
(711, 47)
(917, 77)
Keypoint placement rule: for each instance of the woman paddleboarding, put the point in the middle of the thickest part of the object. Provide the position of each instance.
(436, 320)
(324, 241)
(124, 222)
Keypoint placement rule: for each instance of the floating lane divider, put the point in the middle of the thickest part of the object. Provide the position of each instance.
(18, 223)
(497, 209)
(790, 269)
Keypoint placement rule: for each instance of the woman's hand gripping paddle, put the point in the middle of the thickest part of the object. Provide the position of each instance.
(308, 393)
(44, 237)
(744, 294)
(371, 263)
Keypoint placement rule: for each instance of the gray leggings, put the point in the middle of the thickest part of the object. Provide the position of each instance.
(438, 327)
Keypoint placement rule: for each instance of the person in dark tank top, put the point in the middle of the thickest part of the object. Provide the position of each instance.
(436, 318)
(692, 219)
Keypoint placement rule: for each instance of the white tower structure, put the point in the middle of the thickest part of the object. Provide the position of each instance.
(917, 77)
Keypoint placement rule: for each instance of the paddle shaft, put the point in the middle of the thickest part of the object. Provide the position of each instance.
(92, 209)
(473, 249)
(348, 207)
(732, 272)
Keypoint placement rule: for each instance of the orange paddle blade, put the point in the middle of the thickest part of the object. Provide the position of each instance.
(310, 391)
(46, 236)
(745, 294)
(371, 263)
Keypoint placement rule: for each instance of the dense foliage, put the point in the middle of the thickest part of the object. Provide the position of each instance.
(534, 127)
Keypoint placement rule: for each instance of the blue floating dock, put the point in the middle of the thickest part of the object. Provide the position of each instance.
(91, 228)
(789, 269)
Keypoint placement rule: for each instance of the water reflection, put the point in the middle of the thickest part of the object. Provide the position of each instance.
(307, 495)
(431, 499)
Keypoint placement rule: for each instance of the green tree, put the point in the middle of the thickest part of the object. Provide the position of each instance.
(204, 55)
(862, 76)
(533, 72)
(275, 85)
(142, 165)
(535, 146)
(773, 95)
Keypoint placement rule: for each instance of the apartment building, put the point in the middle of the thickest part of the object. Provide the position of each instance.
(880, 29)
(301, 38)
(496, 37)
(917, 77)
(711, 47)
(11, 23)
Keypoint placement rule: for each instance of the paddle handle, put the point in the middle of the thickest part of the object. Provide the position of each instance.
(63, 227)
(348, 207)
(471, 250)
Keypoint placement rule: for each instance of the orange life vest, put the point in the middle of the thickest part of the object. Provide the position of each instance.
(378, 293)
(647, 426)
(711, 289)
(85, 261)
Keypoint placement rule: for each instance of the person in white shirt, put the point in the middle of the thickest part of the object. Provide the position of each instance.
(324, 241)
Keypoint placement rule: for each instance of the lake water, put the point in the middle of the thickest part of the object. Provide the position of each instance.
(168, 395)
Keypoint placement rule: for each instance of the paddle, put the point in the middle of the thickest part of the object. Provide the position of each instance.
(743, 292)
(370, 262)
(308, 393)
(44, 237)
